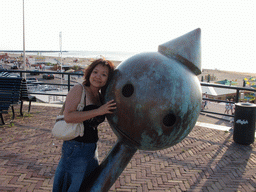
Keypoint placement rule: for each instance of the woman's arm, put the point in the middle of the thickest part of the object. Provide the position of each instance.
(71, 115)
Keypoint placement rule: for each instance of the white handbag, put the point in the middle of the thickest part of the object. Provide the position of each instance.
(67, 131)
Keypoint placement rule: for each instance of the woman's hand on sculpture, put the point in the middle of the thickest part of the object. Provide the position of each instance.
(107, 108)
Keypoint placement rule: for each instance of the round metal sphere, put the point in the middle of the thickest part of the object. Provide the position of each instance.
(158, 101)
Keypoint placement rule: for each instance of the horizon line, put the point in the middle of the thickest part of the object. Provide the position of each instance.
(30, 51)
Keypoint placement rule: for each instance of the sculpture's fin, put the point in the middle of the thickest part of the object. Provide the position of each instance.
(186, 49)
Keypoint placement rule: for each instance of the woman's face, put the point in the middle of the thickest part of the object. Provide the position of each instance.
(99, 76)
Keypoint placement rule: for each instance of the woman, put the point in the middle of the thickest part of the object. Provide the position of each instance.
(79, 155)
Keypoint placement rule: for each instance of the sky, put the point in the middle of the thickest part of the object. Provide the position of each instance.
(227, 27)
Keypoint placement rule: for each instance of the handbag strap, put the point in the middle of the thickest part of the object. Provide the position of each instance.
(62, 109)
(82, 103)
(80, 106)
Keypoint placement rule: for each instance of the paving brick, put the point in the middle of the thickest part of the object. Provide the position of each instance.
(206, 160)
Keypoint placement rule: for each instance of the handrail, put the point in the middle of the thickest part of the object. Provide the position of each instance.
(225, 87)
(69, 85)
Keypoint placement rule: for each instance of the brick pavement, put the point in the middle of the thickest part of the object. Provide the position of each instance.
(206, 160)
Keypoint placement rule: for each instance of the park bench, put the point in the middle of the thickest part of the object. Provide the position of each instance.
(24, 96)
(10, 90)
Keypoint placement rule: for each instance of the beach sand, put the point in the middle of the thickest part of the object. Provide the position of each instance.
(65, 60)
(220, 75)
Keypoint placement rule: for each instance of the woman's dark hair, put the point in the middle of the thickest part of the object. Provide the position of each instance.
(91, 67)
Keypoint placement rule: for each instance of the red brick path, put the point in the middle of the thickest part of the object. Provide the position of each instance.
(206, 160)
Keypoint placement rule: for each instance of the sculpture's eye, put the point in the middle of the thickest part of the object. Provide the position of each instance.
(128, 90)
(169, 120)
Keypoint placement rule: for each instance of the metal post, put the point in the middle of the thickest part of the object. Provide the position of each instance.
(24, 55)
(69, 82)
(61, 59)
(237, 96)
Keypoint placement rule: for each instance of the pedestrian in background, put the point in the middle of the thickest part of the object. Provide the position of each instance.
(227, 107)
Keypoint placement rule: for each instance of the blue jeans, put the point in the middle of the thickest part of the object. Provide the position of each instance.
(78, 160)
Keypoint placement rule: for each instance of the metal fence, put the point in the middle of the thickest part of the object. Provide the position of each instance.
(69, 83)
(236, 99)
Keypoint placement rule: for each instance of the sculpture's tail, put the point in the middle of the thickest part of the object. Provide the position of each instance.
(110, 169)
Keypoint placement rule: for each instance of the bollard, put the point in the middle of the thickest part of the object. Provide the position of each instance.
(244, 123)
(158, 99)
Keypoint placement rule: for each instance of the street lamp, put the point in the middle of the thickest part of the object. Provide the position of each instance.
(60, 38)
(24, 55)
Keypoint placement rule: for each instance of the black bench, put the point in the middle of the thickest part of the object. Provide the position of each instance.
(10, 90)
(24, 96)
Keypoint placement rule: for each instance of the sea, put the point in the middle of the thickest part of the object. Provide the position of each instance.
(109, 55)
